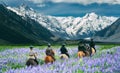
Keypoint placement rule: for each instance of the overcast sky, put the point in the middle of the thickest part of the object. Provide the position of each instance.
(84, 2)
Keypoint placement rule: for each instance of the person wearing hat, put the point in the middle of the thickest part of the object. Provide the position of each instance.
(92, 44)
(63, 50)
(92, 47)
(33, 54)
(49, 51)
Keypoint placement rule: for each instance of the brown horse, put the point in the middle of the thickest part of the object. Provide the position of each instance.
(31, 62)
(49, 59)
(80, 54)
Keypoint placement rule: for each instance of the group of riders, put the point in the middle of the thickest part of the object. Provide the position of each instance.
(83, 50)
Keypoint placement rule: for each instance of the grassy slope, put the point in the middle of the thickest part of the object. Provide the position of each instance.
(4, 47)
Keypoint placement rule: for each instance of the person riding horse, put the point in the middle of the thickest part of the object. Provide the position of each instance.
(50, 52)
(82, 47)
(63, 50)
(92, 45)
(32, 58)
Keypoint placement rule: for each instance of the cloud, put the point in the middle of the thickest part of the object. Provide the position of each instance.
(84, 2)
(37, 1)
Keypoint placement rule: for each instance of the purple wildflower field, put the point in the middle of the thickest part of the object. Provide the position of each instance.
(103, 61)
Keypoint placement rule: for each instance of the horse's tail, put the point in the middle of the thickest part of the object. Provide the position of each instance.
(49, 59)
(93, 50)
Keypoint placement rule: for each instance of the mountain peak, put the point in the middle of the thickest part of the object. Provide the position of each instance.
(24, 7)
(91, 15)
(70, 27)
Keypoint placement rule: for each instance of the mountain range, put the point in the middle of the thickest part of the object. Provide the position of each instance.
(110, 33)
(15, 29)
(23, 25)
(68, 27)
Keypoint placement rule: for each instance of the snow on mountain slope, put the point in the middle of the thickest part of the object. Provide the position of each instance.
(68, 27)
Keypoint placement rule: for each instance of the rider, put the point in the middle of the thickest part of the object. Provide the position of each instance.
(64, 50)
(33, 54)
(49, 51)
(92, 44)
(81, 47)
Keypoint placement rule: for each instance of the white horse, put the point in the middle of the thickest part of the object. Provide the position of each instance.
(63, 56)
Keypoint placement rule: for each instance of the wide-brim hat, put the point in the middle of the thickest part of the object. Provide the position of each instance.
(63, 44)
(31, 46)
(49, 44)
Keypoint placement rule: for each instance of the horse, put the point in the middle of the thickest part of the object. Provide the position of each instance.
(31, 62)
(80, 54)
(93, 51)
(49, 59)
(89, 51)
(63, 56)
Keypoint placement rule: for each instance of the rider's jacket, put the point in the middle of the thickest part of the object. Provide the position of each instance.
(32, 54)
(49, 51)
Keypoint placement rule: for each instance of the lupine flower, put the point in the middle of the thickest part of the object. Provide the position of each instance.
(105, 61)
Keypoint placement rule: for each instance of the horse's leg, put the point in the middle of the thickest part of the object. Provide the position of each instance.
(68, 55)
(36, 61)
(95, 49)
(27, 63)
(78, 55)
(53, 58)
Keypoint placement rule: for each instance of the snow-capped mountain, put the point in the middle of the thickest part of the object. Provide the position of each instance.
(15, 30)
(67, 27)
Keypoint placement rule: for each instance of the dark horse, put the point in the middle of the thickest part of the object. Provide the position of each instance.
(31, 62)
(89, 51)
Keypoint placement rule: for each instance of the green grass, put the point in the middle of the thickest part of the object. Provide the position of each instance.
(12, 66)
(5, 47)
(107, 46)
(15, 66)
(79, 71)
(2, 48)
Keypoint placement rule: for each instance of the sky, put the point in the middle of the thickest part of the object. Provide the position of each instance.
(75, 8)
